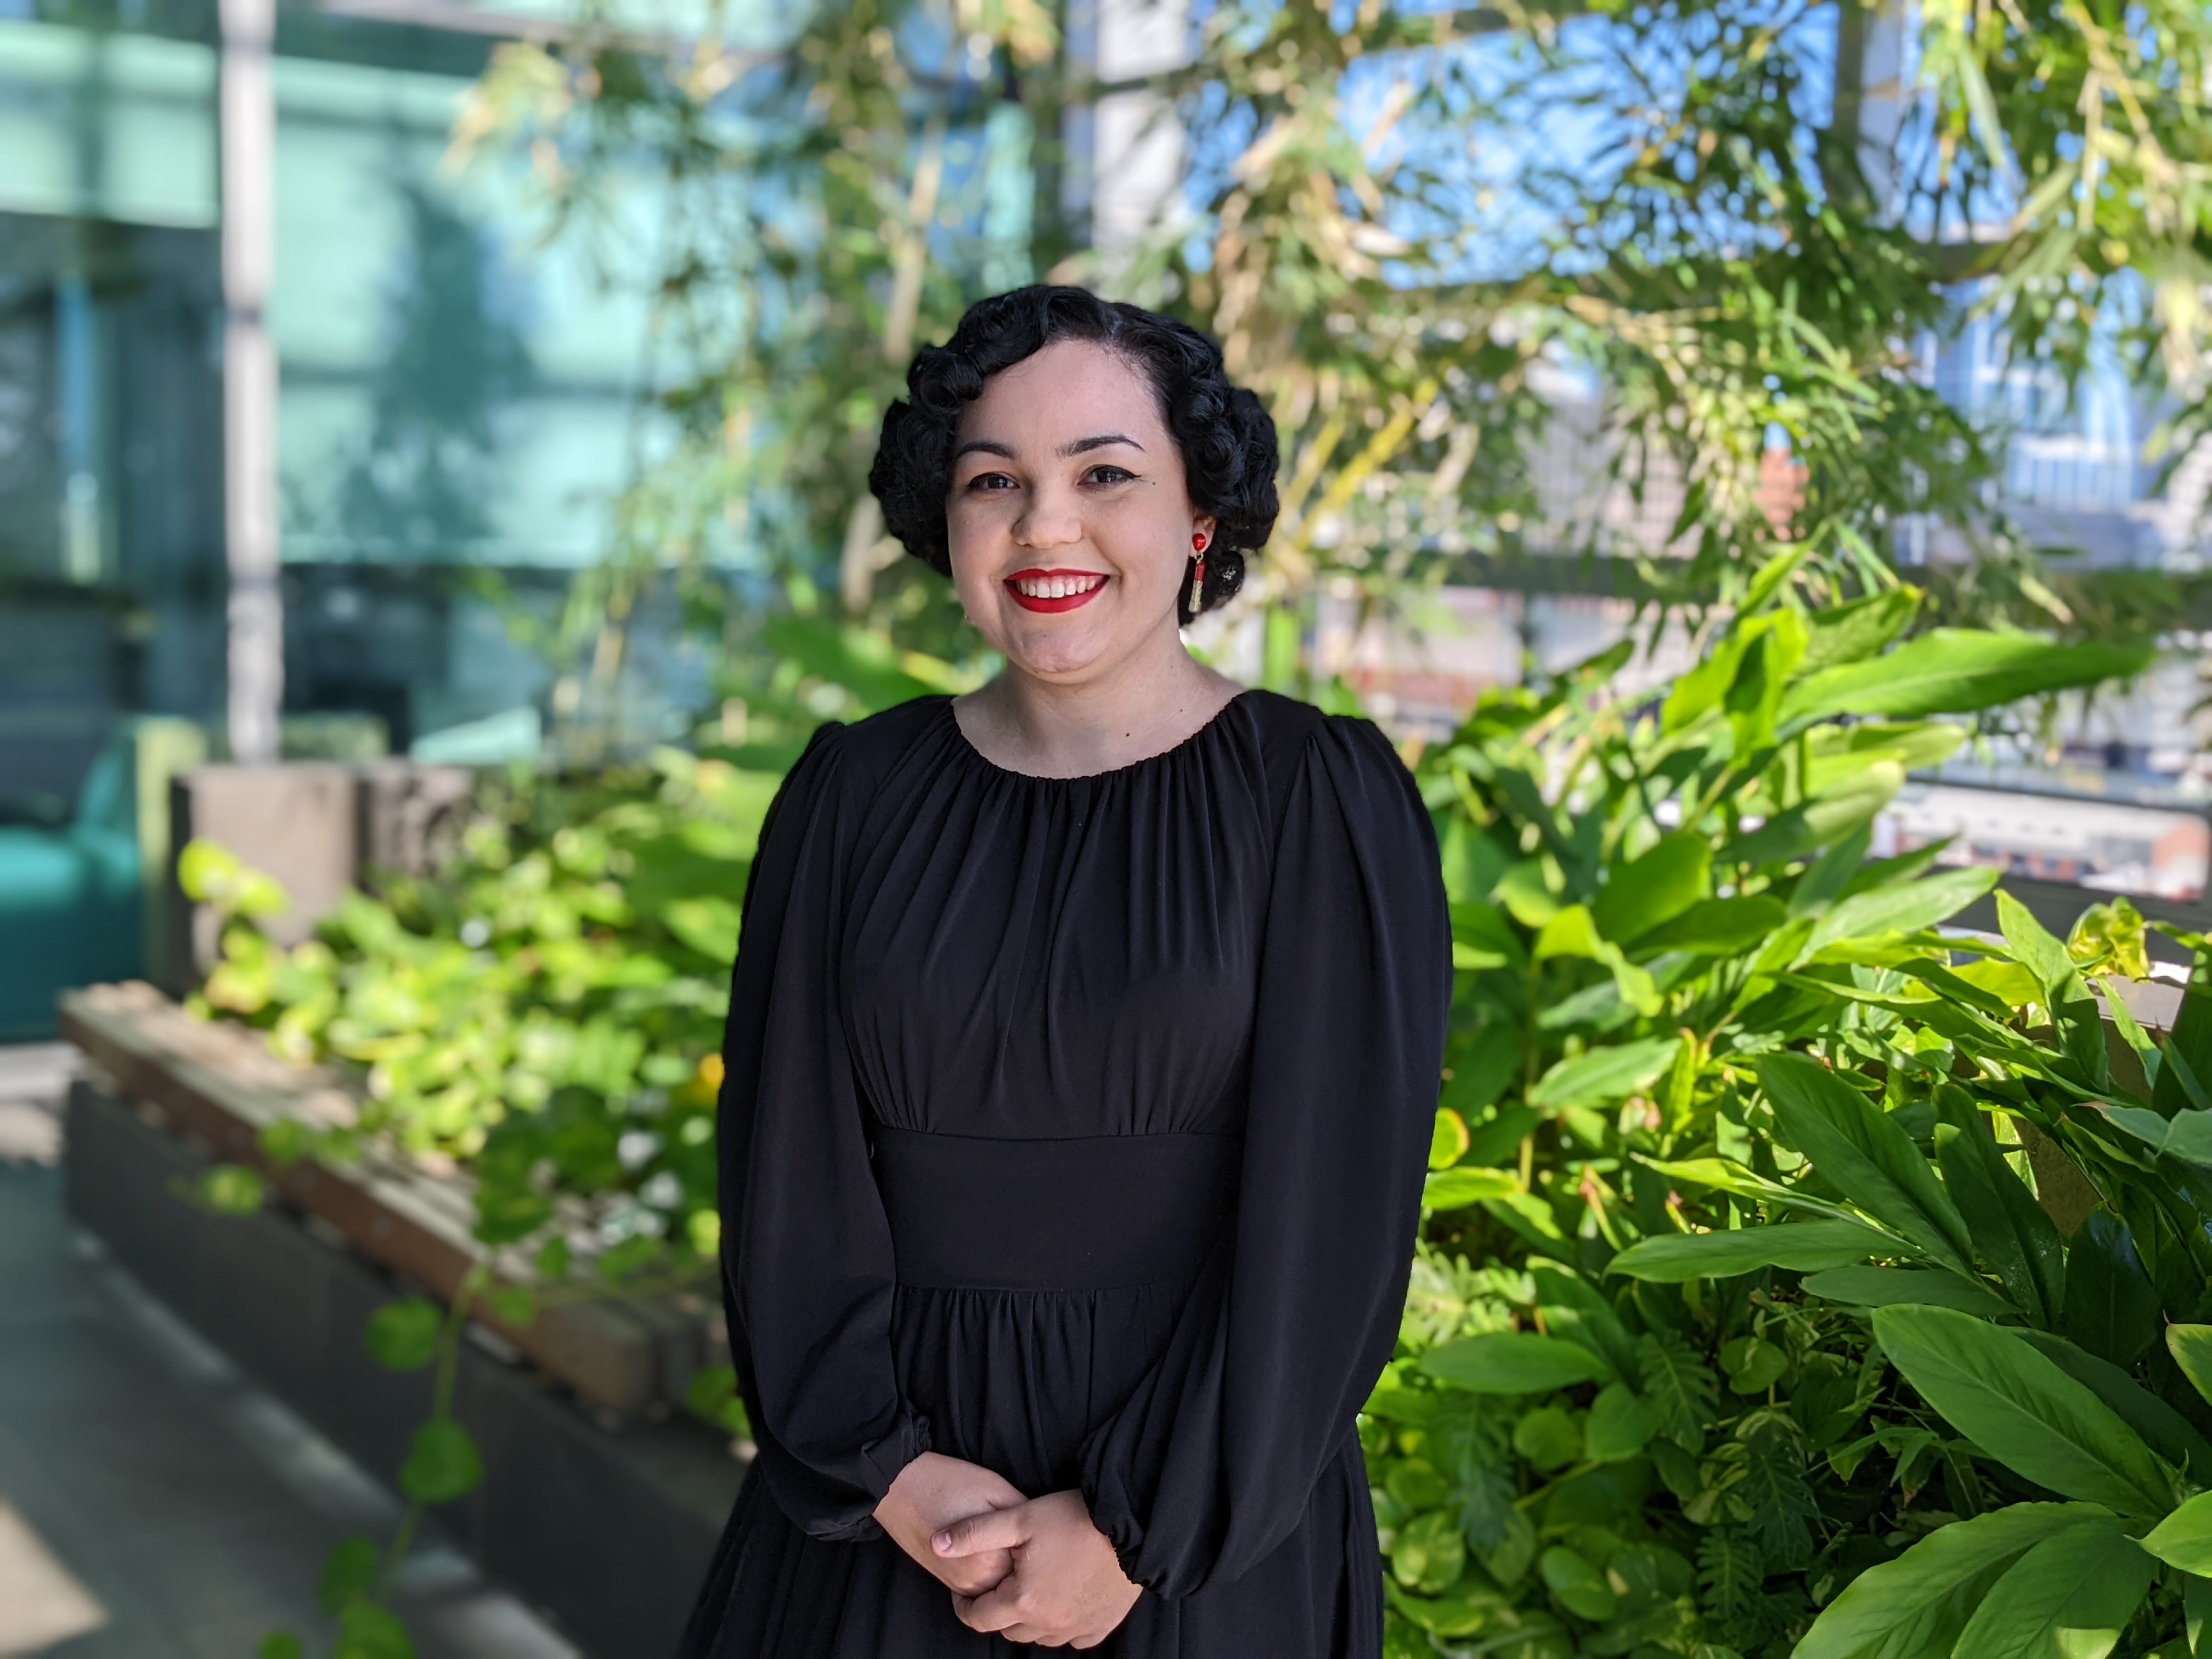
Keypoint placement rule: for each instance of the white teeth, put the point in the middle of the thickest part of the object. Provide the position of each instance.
(1057, 587)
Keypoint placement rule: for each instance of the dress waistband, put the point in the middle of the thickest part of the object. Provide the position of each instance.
(1096, 1213)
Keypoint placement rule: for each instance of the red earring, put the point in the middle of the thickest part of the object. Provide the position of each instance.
(1197, 541)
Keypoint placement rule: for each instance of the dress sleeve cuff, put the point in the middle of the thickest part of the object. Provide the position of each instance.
(886, 1459)
(1118, 1524)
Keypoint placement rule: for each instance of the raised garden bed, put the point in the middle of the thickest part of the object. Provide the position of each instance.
(598, 1504)
(217, 1082)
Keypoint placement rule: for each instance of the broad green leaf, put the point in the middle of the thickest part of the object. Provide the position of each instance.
(2112, 1306)
(1549, 1437)
(1525, 894)
(2186, 1135)
(1900, 909)
(707, 923)
(1954, 670)
(1654, 889)
(1803, 830)
(2124, 1021)
(1916, 1606)
(2186, 1077)
(2183, 1539)
(1429, 1553)
(2192, 1348)
(1483, 929)
(1960, 985)
(1570, 932)
(1849, 633)
(402, 1336)
(232, 1189)
(1619, 1426)
(1718, 1172)
(1719, 926)
(1698, 691)
(2010, 1228)
(1448, 1142)
(1823, 883)
(1857, 747)
(442, 1463)
(1456, 1188)
(1857, 1146)
(1496, 1138)
(1514, 1362)
(368, 1632)
(2020, 1408)
(2110, 940)
(349, 1574)
(2196, 1614)
(2008, 980)
(1576, 1584)
(2073, 1010)
(1883, 1288)
(1600, 1076)
(2068, 1598)
(1465, 1609)
(1575, 1310)
(1766, 582)
(1473, 862)
(1798, 1247)
(2164, 1430)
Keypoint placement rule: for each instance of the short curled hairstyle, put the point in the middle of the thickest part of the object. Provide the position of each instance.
(1226, 439)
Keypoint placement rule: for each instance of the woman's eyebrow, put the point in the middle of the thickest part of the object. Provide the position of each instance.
(985, 447)
(1101, 440)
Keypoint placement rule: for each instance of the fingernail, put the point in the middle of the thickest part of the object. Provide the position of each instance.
(942, 1542)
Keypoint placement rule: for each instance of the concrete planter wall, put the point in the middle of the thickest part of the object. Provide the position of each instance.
(608, 1530)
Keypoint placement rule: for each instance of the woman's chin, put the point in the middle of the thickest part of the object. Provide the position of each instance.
(1058, 649)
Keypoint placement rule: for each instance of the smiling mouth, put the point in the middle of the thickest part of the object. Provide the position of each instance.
(1055, 590)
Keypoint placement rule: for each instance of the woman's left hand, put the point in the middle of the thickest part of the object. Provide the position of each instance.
(1066, 1589)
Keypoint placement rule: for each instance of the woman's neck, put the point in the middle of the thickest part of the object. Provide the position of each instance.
(1062, 729)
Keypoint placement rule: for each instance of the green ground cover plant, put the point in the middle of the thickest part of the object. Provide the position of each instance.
(1741, 1322)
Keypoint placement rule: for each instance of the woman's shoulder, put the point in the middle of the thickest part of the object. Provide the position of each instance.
(857, 757)
(1294, 734)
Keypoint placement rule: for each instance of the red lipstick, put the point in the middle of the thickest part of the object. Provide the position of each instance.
(1076, 580)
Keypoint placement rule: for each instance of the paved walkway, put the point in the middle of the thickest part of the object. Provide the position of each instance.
(154, 1504)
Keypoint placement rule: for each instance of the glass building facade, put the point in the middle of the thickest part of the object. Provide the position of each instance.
(455, 395)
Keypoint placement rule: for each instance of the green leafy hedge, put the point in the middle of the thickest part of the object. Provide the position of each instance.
(1737, 1326)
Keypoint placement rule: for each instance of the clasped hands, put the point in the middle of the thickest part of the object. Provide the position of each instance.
(1030, 1568)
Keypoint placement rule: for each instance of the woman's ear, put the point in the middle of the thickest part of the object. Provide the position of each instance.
(1204, 525)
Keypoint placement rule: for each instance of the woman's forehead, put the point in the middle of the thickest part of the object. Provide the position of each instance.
(1041, 401)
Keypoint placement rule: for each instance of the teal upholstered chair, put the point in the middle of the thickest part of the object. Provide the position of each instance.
(73, 899)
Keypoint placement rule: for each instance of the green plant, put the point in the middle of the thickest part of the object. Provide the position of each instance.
(1636, 1380)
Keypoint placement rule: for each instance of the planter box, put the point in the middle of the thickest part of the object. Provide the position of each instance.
(608, 1530)
(217, 1082)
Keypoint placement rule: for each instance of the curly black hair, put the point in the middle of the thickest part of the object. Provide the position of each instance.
(1224, 434)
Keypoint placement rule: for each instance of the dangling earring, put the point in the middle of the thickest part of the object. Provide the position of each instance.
(1198, 569)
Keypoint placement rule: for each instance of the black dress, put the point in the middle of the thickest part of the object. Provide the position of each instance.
(1076, 1128)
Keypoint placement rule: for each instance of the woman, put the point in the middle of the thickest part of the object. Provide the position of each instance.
(1081, 1069)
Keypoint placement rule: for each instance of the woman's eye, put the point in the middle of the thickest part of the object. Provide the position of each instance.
(1109, 474)
(990, 480)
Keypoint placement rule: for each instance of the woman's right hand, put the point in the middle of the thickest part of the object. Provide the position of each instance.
(931, 1493)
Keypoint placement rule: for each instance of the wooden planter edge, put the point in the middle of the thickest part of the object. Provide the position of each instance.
(212, 1081)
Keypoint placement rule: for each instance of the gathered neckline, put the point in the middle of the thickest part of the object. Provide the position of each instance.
(961, 737)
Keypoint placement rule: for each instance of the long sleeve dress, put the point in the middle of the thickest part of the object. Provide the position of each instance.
(1076, 1128)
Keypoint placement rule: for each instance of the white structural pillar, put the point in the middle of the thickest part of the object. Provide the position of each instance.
(248, 133)
(1137, 141)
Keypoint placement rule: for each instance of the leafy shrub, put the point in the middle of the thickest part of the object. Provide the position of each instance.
(1717, 1087)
